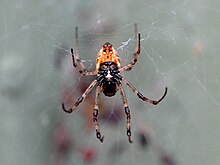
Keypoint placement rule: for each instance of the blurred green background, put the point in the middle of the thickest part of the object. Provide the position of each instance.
(179, 49)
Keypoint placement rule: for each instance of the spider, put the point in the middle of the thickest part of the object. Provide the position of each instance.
(108, 79)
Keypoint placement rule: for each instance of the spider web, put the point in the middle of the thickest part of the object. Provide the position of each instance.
(179, 49)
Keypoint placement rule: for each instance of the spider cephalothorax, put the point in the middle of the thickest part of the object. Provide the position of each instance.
(108, 80)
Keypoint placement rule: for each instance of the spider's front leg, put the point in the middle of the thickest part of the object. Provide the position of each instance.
(95, 114)
(127, 112)
(80, 99)
(154, 102)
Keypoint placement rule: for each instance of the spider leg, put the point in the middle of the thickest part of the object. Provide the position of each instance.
(127, 112)
(95, 114)
(82, 69)
(80, 99)
(137, 51)
(77, 50)
(154, 102)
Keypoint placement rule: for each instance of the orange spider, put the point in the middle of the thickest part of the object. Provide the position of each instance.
(109, 80)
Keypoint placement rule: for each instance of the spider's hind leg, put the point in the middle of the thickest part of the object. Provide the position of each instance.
(129, 66)
(81, 68)
(77, 62)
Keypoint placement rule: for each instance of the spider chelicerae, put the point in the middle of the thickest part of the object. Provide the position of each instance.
(108, 79)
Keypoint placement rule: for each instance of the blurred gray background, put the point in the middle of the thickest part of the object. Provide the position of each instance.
(179, 49)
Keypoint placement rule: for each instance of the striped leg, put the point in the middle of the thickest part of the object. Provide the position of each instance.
(81, 66)
(127, 112)
(154, 102)
(80, 99)
(95, 114)
(136, 54)
(82, 69)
